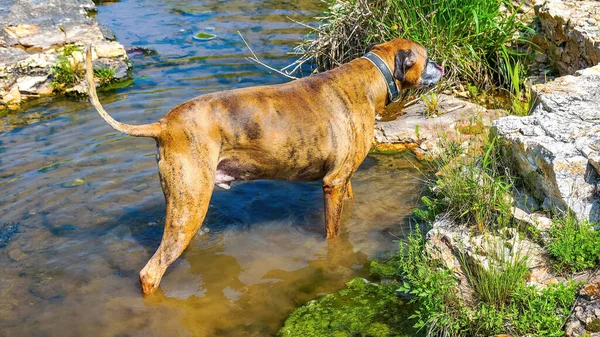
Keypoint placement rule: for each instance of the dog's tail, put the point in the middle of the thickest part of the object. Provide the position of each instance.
(146, 130)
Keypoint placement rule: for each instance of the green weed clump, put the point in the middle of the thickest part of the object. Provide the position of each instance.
(497, 283)
(574, 246)
(432, 104)
(521, 98)
(433, 289)
(69, 49)
(473, 188)
(467, 36)
(363, 309)
(504, 304)
(104, 75)
(65, 74)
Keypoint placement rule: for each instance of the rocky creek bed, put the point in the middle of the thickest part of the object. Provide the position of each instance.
(555, 151)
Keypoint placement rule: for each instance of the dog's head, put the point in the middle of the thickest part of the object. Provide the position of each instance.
(409, 63)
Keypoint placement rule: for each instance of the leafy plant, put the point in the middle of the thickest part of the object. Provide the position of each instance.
(473, 91)
(574, 246)
(69, 49)
(542, 312)
(432, 287)
(432, 208)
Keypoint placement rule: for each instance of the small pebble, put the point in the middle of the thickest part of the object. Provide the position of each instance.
(16, 255)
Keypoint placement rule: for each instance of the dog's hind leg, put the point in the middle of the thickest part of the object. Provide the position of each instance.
(349, 192)
(187, 179)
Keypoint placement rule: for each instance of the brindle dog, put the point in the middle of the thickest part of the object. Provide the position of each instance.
(318, 127)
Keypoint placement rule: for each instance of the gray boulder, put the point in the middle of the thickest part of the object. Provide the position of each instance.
(457, 246)
(556, 150)
(33, 36)
(572, 31)
(455, 119)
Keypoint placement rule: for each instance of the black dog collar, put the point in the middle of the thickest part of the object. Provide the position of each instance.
(393, 91)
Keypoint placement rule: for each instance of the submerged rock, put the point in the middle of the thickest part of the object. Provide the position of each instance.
(363, 309)
(7, 230)
(557, 149)
(34, 35)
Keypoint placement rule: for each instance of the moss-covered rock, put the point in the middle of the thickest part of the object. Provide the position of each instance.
(363, 309)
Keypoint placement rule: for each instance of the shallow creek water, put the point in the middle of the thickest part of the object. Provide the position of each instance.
(89, 208)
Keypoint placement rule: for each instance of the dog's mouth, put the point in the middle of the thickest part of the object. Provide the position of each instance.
(432, 74)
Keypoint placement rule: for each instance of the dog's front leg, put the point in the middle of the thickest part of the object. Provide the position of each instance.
(188, 186)
(334, 191)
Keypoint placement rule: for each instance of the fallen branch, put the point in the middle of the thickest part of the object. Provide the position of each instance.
(255, 59)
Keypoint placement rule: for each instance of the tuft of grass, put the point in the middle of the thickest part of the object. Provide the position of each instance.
(504, 274)
(467, 36)
(69, 49)
(432, 104)
(574, 246)
(472, 188)
(520, 95)
(104, 75)
(65, 74)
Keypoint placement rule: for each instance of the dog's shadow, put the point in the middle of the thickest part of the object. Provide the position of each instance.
(246, 205)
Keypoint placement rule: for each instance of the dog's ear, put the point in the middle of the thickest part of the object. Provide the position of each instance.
(405, 59)
(369, 47)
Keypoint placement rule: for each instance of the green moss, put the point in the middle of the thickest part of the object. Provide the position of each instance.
(593, 326)
(363, 309)
(384, 270)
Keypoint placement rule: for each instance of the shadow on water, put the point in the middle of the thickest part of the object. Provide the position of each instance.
(89, 209)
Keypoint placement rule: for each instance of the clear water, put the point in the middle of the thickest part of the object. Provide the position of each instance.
(89, 207)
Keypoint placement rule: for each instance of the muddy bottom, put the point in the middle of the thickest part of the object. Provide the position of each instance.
(260, 254)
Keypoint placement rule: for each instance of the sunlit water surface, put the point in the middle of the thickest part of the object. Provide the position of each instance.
(88, 209)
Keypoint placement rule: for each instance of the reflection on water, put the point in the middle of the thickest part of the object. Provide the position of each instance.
(90, 209)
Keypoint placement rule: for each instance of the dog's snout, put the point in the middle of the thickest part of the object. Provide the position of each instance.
(431, 74)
